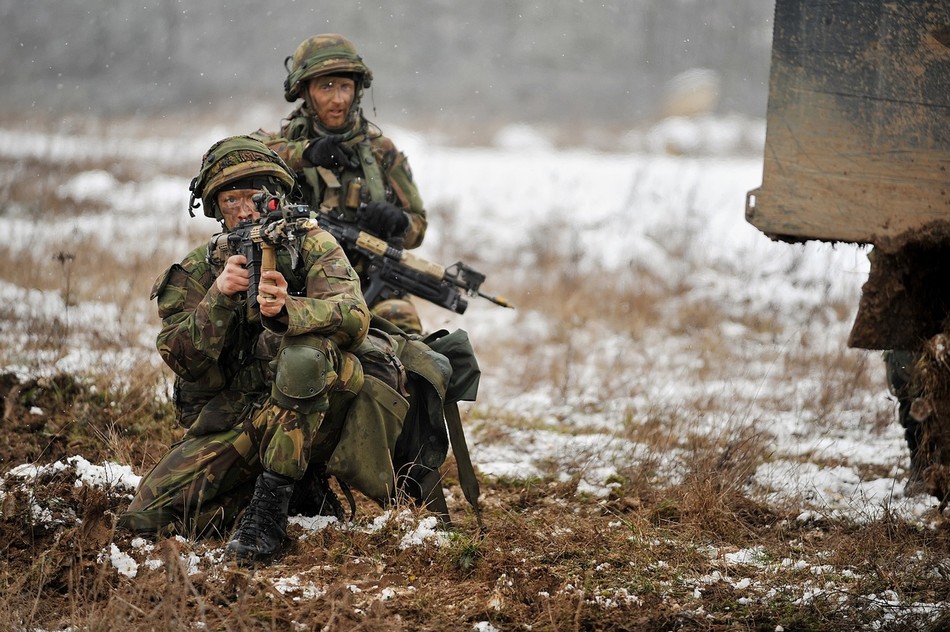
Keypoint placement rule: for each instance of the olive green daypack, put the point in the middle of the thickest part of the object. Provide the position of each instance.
(392, 444)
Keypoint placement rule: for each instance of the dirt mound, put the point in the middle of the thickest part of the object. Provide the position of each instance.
(46, 419)
(36, 418)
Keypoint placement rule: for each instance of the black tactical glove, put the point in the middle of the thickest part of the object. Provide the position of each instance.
(384, 219)
(330, 152)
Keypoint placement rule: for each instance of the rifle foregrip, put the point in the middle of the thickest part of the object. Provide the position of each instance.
(268, 262)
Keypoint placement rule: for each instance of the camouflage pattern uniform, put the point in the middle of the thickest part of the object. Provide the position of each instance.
(382, 172)
(255, 394)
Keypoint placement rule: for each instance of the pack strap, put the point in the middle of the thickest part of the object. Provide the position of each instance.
(348, 494)
(433, 497)
(330, 200)
(463, 460)
(372, 171)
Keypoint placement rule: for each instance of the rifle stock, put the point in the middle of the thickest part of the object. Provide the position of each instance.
(392, 272)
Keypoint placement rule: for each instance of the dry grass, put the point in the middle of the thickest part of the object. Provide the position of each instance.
(650, 556)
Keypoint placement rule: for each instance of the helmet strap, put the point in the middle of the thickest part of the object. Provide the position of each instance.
(195, 195)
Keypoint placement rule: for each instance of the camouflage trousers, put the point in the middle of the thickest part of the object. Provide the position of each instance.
(203, 482)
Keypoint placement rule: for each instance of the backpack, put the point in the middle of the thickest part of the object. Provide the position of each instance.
(393, 443)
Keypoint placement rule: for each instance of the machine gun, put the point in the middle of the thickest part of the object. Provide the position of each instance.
(277, 227)
(392, 272)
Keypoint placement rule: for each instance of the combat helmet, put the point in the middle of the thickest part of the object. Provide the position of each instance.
(241, 162)
(329, 53)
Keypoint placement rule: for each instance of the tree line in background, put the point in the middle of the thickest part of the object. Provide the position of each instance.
(554, 61)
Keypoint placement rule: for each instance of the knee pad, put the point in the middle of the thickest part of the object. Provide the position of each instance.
(304, 375)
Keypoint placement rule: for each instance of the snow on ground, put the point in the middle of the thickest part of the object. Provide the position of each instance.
(674, 216)
(679, 218)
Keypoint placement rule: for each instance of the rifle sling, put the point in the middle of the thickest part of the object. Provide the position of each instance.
(330, 185)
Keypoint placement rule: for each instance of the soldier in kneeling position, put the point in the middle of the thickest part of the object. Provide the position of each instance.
(262, 391)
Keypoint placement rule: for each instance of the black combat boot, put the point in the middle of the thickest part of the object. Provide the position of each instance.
(313, 497)
(264, 525)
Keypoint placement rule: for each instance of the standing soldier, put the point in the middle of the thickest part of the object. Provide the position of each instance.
(262, 393)
(344, 163)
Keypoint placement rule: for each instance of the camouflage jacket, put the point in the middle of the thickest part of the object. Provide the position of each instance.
(383, 172)
(218, 352)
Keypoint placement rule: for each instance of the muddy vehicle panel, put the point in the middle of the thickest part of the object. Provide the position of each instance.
(858, 136)
(858, 150)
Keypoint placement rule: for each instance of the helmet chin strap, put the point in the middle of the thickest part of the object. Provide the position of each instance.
(195, 196)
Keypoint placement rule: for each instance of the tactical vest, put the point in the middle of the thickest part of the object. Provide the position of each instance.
(341, 194)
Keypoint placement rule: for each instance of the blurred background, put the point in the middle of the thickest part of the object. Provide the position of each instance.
(437, 63)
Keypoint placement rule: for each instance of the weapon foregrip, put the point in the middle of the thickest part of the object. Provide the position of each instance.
(268, 263)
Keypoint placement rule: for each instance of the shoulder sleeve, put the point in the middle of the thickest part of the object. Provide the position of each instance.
(291, 151)
(195, 316)
(333, 305)
(399, 177)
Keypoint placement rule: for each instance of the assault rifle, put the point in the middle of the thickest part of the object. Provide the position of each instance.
(393, 272)
(278, 227)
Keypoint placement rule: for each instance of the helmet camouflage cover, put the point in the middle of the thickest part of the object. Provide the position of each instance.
(233, 159)
(326, 54)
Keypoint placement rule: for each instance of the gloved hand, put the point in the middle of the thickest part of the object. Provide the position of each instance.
(330, 152)
(384, 219)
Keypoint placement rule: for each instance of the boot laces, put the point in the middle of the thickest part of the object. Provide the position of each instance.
(261, 516)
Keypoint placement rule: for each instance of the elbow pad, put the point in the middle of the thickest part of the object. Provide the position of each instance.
(354, 321)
